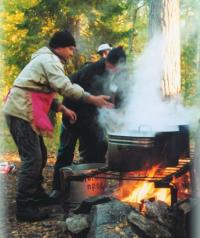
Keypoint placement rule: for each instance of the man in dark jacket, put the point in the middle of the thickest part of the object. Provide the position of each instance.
(95, 78)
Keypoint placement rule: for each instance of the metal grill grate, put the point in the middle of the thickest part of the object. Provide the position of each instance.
(162, 179)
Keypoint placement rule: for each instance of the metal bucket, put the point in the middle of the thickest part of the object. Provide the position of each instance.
(76, 187)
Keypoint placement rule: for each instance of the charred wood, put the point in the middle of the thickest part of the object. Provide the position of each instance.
(147, 227)
(160, 212)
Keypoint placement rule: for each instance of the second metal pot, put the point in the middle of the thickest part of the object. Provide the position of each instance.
(143, 150)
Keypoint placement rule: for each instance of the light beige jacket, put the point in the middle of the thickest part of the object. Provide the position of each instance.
(44, 73)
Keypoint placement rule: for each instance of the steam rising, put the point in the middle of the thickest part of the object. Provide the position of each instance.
(145, 108)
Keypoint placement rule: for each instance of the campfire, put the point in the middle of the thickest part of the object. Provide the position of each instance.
(155, 201)
(138, 191)
(149, 200)
(135, 192)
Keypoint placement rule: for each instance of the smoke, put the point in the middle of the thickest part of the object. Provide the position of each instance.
(145, 108)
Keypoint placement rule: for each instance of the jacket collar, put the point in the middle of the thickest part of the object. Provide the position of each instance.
(63, 61)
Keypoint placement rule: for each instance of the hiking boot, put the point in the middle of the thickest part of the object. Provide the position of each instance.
(41, 198)
(30, 214)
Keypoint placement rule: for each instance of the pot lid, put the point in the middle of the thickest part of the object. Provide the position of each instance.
(145, 131)
(166, 128)
(133, 134)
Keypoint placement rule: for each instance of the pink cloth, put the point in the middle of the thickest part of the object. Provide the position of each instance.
(41, 103)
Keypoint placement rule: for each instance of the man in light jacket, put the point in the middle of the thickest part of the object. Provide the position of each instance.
(26, 109)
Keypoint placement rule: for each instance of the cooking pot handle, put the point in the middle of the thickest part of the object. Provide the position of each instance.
(142, 128)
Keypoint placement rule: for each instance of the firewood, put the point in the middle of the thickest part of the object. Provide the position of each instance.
(147, 227)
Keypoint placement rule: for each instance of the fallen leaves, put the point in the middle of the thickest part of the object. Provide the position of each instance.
(44, 229)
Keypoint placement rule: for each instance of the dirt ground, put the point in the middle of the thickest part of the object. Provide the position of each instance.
(51, 228)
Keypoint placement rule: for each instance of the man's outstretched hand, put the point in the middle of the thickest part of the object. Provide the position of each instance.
(100, 101)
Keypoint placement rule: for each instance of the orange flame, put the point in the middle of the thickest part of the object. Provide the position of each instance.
(134, 192)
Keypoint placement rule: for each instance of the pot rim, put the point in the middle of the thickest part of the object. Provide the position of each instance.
(130, 136)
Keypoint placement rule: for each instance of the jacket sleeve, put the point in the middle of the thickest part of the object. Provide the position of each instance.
(84, 77)
(59, 82)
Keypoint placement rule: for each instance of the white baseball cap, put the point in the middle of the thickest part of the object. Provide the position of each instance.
(104, 47)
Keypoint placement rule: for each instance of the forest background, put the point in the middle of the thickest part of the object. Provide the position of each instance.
(27, 25)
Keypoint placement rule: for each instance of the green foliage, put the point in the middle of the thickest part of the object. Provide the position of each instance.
(92, 23)
(188, 70)
(190, 51)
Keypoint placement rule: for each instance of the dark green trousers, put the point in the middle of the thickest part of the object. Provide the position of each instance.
(33, 155)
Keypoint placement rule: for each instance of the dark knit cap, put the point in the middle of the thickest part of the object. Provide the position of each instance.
(62, 39)
(116, 56)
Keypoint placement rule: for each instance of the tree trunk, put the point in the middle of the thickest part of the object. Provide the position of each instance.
(164, 19)
(133, 9)
(72, 23)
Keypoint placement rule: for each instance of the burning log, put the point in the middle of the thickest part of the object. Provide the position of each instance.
(147, 227)
(160, 212)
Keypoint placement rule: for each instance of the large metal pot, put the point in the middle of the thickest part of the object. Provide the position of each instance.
(75, 188)
(143, 149)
